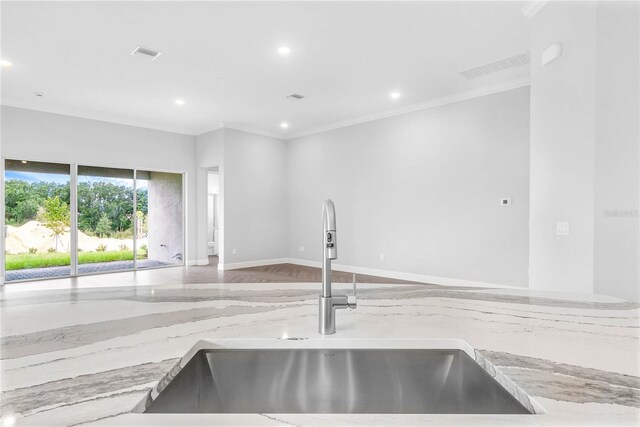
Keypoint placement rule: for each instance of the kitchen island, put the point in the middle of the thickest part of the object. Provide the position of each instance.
(87, 351)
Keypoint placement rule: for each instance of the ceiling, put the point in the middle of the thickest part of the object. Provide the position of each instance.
(222, 59)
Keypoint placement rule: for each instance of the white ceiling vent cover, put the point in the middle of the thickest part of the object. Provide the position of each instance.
(494, 67)
(295, 97)
(153, 54)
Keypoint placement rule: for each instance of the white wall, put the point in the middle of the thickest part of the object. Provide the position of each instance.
(584, 149)
(34, 135)
(422, 188)
(253, 193)
(213, 213)
(617, 166)
(562, 148)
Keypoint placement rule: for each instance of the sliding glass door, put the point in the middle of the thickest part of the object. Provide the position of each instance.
(125, 219)
(37, 220)
(105, 219)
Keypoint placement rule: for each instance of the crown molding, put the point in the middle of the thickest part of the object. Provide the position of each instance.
(437, 102)
(249, 129)
(99, 118)
(532, 7)
(217, 126)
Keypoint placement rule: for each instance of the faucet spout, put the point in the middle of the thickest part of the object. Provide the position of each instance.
(327, 303)
(329, 216)
(330, 245)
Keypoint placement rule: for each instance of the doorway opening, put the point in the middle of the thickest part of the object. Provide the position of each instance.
(213, 216)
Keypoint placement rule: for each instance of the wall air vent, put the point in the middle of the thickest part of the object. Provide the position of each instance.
(295, 97)
(153, 54)
(494, 67)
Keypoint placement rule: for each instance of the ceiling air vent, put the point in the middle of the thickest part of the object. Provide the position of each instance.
(295, 97)
(494, 67)
(153, 54)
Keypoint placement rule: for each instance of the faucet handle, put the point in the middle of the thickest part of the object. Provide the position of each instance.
(352, 300)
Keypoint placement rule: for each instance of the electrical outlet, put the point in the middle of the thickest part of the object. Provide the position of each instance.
(300, 248)
(381, 256)
(233, 251)
(562, 228)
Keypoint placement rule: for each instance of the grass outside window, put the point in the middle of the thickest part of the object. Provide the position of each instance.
(23, 261)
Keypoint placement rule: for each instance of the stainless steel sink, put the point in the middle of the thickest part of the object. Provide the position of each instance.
(342, 380)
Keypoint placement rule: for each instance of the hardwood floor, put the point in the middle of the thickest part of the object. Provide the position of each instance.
(279, 273)
(295, 273)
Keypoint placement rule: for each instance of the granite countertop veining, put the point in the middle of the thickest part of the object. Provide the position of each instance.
(87, 356)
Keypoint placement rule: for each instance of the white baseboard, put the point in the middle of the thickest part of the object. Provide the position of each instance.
(422, 278)
(305, 262)
(247, 264)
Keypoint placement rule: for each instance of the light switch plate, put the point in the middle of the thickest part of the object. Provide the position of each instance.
(562, 228)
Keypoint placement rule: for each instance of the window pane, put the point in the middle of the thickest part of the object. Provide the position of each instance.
(105, 219)
(37, 220)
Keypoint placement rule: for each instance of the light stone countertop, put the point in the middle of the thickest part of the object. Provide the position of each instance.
(88, 356)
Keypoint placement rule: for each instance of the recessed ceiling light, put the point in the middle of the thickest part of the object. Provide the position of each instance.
(284, 125)
(284, 50)
(179, 101)
(153, 54)
(5, 63)
(295, 97)
(395, 95)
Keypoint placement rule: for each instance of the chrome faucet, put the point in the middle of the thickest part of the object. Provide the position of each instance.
(327, 304)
